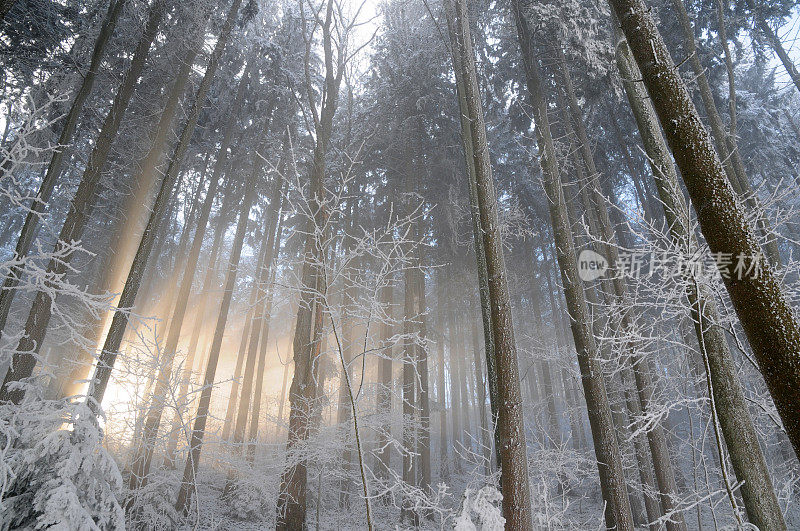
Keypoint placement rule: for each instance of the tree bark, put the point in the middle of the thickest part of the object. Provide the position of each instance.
(760, 301)
(514, 463)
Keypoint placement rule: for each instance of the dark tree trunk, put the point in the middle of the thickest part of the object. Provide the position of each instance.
(737, 427)
(187, 487)
(54, 168)
(514, 462)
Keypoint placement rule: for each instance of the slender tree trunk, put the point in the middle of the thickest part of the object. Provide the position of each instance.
(188, 484)
(483, 279)
(514, 463)
(737, 427)
(409, 358)
(291, 506)
(424, 386)
(385, 379)
(662, 462)
(24, 360)
(612, 480)
(123, 243)
(456, 401)
(273, 246)
(486, 439)
(56, 162)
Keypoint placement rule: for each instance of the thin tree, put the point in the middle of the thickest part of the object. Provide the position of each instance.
(514, 463)
(612, 480)
(291, 506)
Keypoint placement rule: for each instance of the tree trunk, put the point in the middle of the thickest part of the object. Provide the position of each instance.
(188, 485)
(612, 479)
(105, 363)
(291, 506)
(409, 359)
(480, 255)
(759, 301)
(24, 360)
(385, 379)
(514, 463)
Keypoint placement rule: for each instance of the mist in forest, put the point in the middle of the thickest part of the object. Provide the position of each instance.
(399, 264)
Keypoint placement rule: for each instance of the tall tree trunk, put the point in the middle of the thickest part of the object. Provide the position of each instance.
(480, 385)
(273, 247)
(514, 462)
(24, 359)
(409, 358)
(612, 480)
(424, 385)
(726, 145)
(737, 427)
(54, 167)
(662, 462)
(480, 255)
(291, 506)
(385, 379)
(188, 484)
(775, 43)
(760, 301)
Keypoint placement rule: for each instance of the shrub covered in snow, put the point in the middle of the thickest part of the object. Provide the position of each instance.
(55, 472)
(482, 507)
